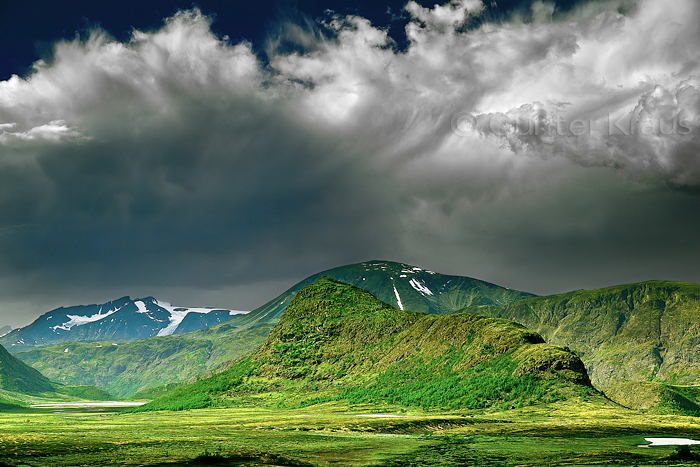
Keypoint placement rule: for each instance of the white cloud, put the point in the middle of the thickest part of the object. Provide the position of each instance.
(53, 132)
(235, 166)
(355, 83)
(450, 15)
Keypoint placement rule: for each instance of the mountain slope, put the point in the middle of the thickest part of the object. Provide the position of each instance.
(638, 332)
(127, 368)
(402, 286)
(120, 320)
(338, 342)
(156, 361)
(16, 376)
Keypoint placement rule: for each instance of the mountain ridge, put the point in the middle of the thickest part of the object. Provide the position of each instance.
(640, 332)
(338, 342)
(123, 319)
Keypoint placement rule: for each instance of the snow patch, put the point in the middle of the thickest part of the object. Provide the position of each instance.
(420, 286)
(177, 314)
(398, 299)
(78, 320)
(141, 307)
(669, 442)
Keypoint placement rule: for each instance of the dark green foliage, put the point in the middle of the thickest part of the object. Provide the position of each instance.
(437, 385)
(7, 406)
(681, 400)
(684, 453)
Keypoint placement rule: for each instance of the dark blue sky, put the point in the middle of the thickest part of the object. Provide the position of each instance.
(29, 27)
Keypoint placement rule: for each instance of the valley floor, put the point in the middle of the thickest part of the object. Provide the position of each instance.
(561, 434)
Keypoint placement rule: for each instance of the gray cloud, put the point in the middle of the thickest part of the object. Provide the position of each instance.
(181, 164)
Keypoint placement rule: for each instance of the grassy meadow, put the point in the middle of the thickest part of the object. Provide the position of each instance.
(573, 432)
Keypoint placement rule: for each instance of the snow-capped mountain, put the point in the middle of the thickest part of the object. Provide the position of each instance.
(120, 320)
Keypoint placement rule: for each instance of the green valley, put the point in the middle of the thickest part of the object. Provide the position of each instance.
(345, 379)
(21, 385)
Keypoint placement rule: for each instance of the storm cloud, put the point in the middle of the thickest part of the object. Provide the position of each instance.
(546, 152)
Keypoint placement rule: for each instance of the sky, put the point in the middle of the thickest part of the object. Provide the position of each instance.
(214, 154)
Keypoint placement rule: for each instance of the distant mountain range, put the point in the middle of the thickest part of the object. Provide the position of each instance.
(120, 320)
(144, 363)
(640, 342)
(4, 330)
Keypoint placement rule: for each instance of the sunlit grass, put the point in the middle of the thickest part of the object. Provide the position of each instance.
(573, 432)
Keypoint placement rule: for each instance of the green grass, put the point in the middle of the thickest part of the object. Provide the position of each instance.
(572, 432)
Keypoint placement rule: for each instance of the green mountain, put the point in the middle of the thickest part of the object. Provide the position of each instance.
(402, 286)
(338, 342)
(16, 376)
(646, 332)
(21, 384)
(138, 365)
(126, 368)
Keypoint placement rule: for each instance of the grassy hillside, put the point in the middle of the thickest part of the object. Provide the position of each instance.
(131, 367)
(648, 332)
(338, 342)
(17, 376)
(21, 384)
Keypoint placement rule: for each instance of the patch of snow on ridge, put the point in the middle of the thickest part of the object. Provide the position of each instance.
(141, 307)
(420, 286)
(398, 299)
(78, 320)
(177, 314)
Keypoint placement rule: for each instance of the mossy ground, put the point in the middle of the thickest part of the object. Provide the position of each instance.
(573, 432)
